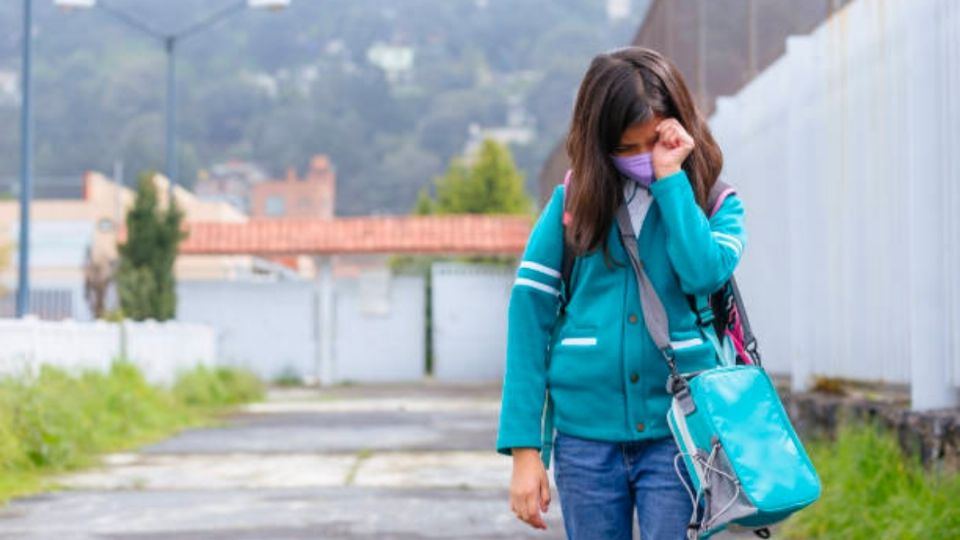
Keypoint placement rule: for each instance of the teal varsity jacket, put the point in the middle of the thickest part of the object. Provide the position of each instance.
(606, 378)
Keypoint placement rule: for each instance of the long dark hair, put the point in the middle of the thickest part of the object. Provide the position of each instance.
(620, 88)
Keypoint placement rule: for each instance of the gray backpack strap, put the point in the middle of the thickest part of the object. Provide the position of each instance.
(654, 314)
(718, 193)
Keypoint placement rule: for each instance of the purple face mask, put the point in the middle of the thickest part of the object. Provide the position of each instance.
(638, 167)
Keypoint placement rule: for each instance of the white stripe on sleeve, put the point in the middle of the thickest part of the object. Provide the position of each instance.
(730, 238)
(540, 268)
(536, 285)
(729, 244)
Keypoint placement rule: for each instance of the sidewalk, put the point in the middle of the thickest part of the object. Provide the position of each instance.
(401, 462)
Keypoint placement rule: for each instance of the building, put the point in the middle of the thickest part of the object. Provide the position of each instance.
(518, 130)
(714, 63)
(73, 245)
(230, 182)
(396, 61)
(312, 196)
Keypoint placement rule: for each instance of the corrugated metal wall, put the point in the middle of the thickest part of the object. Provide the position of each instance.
(844, 151)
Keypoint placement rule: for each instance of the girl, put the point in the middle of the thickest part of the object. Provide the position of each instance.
(591, 368)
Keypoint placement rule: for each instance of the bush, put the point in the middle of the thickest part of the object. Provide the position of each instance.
(54, 420)
(871, 490)
(217, 387)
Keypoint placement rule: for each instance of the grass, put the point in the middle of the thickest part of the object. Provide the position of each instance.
(871, 490)
(53, 420)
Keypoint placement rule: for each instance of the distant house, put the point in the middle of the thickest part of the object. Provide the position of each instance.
(74, 230)
(230, 182)
(312, 196)
(518, 130)
(396, 61)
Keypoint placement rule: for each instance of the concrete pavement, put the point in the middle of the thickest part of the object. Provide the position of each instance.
(401, 462)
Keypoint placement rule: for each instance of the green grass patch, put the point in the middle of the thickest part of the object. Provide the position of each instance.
(217, 387)
(53, 420)
(871, 490)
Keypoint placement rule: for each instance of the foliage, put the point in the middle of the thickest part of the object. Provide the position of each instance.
(218, 386)
(276, 88)
(145, 278)
(490, 185)
(54, 420)
(871, 490)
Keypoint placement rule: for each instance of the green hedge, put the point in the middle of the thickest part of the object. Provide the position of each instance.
(54, 420)
(871, 490)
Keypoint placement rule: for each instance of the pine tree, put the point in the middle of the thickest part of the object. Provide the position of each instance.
(424, 204)
(145, 279)
(491, 185)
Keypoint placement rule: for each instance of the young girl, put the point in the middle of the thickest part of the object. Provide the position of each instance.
(636, 138)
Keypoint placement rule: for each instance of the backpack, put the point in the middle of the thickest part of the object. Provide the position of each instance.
(729, 315)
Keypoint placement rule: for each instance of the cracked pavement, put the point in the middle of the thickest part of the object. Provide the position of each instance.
(403, 462)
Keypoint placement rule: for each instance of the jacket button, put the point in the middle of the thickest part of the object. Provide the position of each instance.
(640, 426)
(634, 377)
(632, 318)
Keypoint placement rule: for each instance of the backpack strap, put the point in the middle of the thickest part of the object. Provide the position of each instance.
(566, 269)
(719, 193)
(704, 306)
(566, 266)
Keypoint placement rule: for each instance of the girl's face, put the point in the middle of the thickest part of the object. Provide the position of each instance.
(639, 137)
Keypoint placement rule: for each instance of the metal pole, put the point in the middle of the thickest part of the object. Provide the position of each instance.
(702, 54)
(170, 44)
(26, 163)
(751, 40)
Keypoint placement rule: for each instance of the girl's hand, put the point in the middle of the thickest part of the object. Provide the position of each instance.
(530, 487)
(673, 146)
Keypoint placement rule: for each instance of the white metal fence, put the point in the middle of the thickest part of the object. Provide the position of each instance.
(845, 153)
(161, 350)
(276, 328)
(469, 320)
(267, 327)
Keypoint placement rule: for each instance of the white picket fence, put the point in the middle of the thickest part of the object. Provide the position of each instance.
(161, 350)
(845, 153)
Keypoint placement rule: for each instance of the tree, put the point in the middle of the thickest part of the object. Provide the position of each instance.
(145, 279)
(491, 184)
(424, 204)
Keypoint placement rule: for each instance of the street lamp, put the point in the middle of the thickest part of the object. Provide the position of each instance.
(170, 41)
(26, 162)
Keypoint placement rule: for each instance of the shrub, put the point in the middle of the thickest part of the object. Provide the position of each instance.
(871, 490)
(217, 387)
(54, 420)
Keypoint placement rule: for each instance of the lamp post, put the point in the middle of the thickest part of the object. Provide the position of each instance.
(170, 42)
(26, 162)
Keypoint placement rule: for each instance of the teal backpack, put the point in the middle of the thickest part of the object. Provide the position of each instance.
(747, 463)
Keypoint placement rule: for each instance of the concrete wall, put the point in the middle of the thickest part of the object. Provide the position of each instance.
(274, 328)
(844, 153)
(161, 350)
(267, 327)
(380, 328)
(469, 320)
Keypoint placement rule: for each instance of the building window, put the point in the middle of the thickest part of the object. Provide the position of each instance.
(275, 206)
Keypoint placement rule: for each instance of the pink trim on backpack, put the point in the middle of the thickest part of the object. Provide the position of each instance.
(734, 328)
(566, 184)
(720, 199)
(736, 336)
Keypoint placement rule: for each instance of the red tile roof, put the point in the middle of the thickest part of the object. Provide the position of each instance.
(474, 234)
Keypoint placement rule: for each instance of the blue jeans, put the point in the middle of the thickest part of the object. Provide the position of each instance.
(600, 484)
